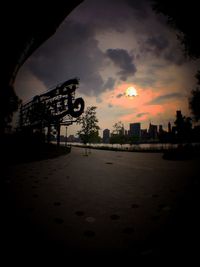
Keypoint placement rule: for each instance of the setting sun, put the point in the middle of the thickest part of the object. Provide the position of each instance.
(131, 91)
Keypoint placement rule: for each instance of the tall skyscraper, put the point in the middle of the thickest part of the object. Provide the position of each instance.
(153, 131)
(169, 128)
(135, 129)
(144, 134)
(160, 130)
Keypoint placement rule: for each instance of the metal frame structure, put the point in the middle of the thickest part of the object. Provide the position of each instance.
(55, 107)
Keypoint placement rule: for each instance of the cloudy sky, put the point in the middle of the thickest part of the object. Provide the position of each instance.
(112, 45)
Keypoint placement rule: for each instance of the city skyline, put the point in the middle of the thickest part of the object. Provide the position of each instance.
(111, 128)
(165, 127)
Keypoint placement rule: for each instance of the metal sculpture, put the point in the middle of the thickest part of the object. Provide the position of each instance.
(55, 107)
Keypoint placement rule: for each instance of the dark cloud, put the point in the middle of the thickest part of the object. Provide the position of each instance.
(139, 115)
(72, 52)
(122, 59)
(139, 8)
(164, 98)
(157, 43)
(119, 95)
(154, 45)
(112, 14)
(109, 84)
(75, 52)
(161, 46)
(175, 56)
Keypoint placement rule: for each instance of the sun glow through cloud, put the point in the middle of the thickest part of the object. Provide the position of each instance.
(131, 91)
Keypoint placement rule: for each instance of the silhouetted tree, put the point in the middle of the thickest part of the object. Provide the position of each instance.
(198, 77)
(118, 128)
(95, 138)
(188, 125)
(194, 103)
(184, 17)
(194, 100)
(117, 135)
(183, 127)
(133, 139)
(89, 123)
(9, 103)
(179, 122)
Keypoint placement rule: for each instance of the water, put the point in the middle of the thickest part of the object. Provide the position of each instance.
(146, 146)
(135, 147)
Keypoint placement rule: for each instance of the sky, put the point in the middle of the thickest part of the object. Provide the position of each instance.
(112, 45)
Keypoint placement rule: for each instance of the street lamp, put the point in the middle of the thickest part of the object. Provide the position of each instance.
(66, 136)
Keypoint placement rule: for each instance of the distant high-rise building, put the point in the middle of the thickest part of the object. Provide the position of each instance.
(179, 114)
(144, 134)
(160, 129)
(135, 129)
(174, 130)
(169, 128)
(106, 136)
(153, 131)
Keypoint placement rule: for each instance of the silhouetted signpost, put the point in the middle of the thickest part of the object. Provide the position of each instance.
(55, 107)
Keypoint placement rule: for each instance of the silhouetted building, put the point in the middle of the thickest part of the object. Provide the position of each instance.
(160, 129)
(153, 131)
(174, 130)
(169, 127)
(135, 129)
(144, 134)
(163, 135)
(106, 136)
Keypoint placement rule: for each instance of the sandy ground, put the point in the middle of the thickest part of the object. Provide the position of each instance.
(106, 203)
